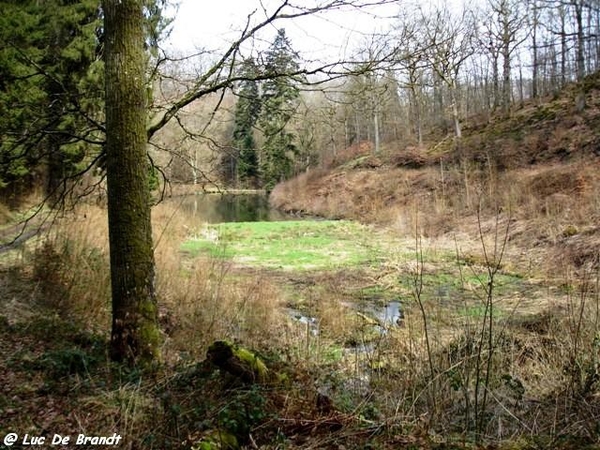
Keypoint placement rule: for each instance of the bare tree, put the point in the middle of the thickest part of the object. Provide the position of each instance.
(503, 30)
(533, 18)
(412, 63)
(449, 44)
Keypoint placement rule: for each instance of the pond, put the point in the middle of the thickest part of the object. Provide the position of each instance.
(219, 208)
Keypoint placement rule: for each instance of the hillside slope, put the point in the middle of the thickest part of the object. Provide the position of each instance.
(537, 168)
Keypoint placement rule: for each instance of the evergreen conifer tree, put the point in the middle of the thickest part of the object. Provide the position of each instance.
(247, 111)
(280, 100)
(51, 90)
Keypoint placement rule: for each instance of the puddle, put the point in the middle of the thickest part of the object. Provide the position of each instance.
(390, 314)
(387, 316)
(311, 323)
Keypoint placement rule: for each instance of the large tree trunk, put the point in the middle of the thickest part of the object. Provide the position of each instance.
(135, 335)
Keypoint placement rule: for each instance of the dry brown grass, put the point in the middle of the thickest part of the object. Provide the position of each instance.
(199, 300)
(71, 267)
(543, 377)
(552, 207)
(6, 216)
(348, 154)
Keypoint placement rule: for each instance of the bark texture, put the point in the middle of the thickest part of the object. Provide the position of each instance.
(135, 335)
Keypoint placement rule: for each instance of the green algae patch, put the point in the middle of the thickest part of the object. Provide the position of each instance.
(287, 245)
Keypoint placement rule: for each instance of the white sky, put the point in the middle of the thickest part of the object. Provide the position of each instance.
(213, 24)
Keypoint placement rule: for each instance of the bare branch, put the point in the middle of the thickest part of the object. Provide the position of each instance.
(211, 82)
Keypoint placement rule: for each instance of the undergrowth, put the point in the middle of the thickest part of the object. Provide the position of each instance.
(482, 378)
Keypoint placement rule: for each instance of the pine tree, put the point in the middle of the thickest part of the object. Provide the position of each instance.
(21, 93)
(51, 90)
(73, 83)
(280, 100)
(247, 111)
(51, 94)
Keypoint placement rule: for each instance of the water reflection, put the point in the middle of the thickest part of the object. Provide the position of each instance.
(391, 314)
(218, 208)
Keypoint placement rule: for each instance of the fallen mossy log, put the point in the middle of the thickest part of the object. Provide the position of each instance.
(239, 362)
(217, 440)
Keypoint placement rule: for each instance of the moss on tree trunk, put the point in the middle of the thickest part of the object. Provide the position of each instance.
(135, 335)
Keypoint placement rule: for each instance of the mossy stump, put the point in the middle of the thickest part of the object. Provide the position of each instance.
(238, 361)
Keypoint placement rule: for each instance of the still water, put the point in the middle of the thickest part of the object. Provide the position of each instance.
(219, 208)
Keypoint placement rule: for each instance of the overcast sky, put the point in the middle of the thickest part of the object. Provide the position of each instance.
(214, 24)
